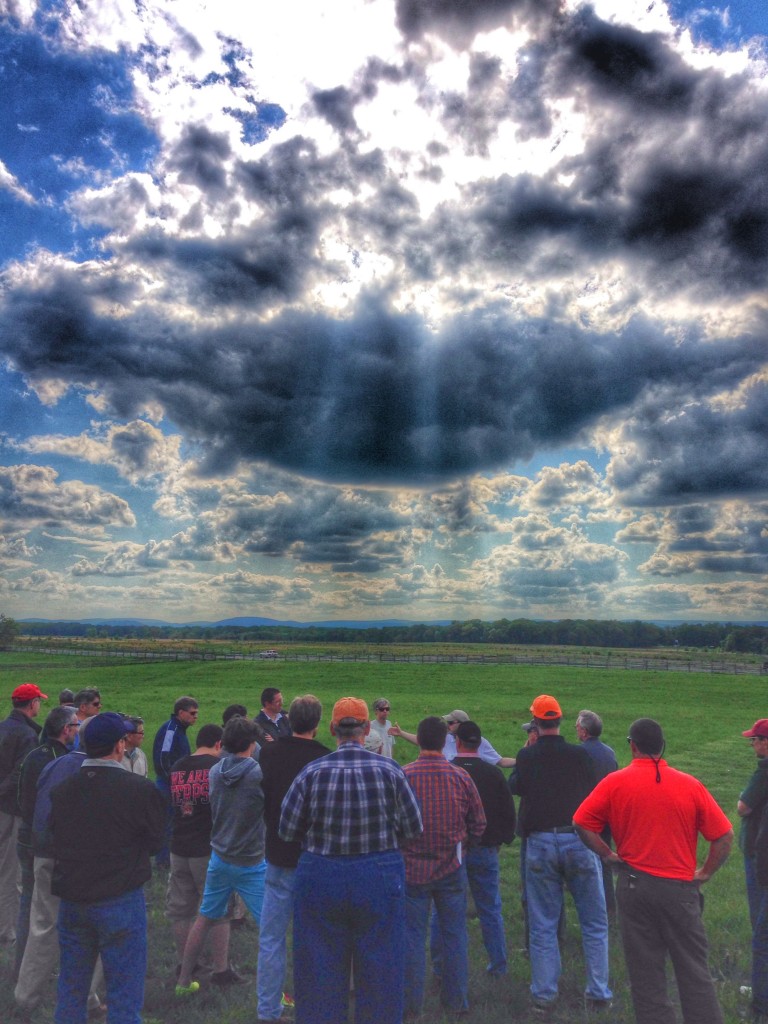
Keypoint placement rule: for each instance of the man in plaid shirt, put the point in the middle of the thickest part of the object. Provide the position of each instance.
(351, 810)
(435, 870)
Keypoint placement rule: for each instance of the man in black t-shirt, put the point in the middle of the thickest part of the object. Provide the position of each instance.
(191, 848)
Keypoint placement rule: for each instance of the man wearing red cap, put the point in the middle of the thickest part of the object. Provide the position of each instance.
(18, 735)
(752, 802)
(554, 777)
(351, 811)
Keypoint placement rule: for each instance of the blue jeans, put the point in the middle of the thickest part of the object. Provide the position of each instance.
(276, 913)
(553, 859)
(483, 876)
(450, 898)
(117, 929)
(349, 907)
(757, 897)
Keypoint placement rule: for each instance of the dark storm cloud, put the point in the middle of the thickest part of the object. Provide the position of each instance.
(376, 397)
(337, 107)
(200, 157)
(459, 20)
(672, 448)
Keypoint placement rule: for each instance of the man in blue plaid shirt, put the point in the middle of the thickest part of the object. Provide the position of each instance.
(351, 810)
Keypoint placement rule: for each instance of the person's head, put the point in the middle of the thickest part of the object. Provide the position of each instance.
(381, 708)
(135, 737)
(304, 715)
(240, 734)
(431, 733)
(454, 719)
(272, 700)
(186, 710)
(209, 737)
(104, 735)
(66, 696)
(62, 724)
(26, 699)
(468, 737)
(232, 710)
(88, 702)
(350, 720)
(758, 737)
(646, 737)
(589, 725)
(546, 713)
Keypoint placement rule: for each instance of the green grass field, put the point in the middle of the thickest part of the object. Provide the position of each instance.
(703, 716)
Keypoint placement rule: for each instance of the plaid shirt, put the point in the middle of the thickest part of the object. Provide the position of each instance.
(348, 803)
(452, 811)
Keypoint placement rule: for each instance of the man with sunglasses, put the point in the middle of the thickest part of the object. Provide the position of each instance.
(380, 739)
(134, 759)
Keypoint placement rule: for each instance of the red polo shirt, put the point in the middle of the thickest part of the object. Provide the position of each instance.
(655, 825)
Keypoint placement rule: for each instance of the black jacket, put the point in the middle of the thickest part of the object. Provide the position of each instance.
(18, 735)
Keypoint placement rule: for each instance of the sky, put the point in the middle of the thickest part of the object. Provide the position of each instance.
(375, 309)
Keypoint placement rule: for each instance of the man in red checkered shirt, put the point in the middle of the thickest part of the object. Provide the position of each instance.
(453, 814)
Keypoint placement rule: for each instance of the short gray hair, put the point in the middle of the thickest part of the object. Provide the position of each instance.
(58, 719)
(589, 721)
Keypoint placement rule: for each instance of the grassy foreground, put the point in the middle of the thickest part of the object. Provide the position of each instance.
(703, 716)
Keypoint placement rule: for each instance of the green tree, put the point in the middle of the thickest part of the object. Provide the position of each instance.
(9, 630)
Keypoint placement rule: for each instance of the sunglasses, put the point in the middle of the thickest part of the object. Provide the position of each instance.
(384, 709)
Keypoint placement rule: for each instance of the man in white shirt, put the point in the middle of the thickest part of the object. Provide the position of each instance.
(381, 738)
(453, 720)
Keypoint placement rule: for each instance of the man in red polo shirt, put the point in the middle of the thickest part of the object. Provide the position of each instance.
(655, 814)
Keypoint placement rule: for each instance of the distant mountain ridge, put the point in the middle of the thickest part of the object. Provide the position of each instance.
(252, 620)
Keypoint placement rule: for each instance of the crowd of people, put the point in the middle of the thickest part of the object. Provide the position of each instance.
(367, 865)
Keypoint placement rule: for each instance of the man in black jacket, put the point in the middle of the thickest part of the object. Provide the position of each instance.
(18, 735)
(59, 732)
(281, 762)
(483, 860)
(106, 823)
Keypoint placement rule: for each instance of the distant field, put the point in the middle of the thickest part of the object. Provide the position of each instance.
(703, 716)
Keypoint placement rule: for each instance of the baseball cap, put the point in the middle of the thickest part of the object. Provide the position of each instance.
(350, 707)
(546, 707)
(28, 691)
(105, 730)
(760, 728)
(469, 732)
(456, 716)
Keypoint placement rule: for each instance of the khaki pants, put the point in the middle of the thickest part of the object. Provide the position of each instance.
(10, 876)
(41, 954)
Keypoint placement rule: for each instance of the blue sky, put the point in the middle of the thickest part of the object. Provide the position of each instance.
(464, 318)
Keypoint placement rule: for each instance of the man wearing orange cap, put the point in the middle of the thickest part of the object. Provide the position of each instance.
(554, 777)
(752, 803)
(351, 811)
(18, 735)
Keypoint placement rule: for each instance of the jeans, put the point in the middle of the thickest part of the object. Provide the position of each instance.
(757, 897)
(117, 929)
(349, 907)
(661, 916)
(450, 898)
(551, 860)
(276, 913)
(482, 864)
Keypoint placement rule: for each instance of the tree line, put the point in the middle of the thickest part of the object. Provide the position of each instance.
(564, 632)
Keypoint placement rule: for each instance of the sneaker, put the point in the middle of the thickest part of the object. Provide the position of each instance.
(593, 1005)
(288, 1001)
(182, 991)
(228, 977)
(542, 1008)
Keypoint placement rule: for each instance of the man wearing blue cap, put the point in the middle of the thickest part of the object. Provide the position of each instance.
(106, 823)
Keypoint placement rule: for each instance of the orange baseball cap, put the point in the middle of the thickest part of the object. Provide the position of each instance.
(350, 707)
(546, 707)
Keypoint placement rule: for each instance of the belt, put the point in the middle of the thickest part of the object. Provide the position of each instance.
(569, 829)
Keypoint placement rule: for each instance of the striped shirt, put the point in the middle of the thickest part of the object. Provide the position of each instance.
(452, 811)
(348, 803)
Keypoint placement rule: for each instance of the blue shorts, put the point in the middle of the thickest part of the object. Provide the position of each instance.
(222, 879)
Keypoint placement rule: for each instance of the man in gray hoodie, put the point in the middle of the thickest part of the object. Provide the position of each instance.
(237, 840)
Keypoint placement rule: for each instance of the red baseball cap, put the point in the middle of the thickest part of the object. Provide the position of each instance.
(760, 728)
(28, 691)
